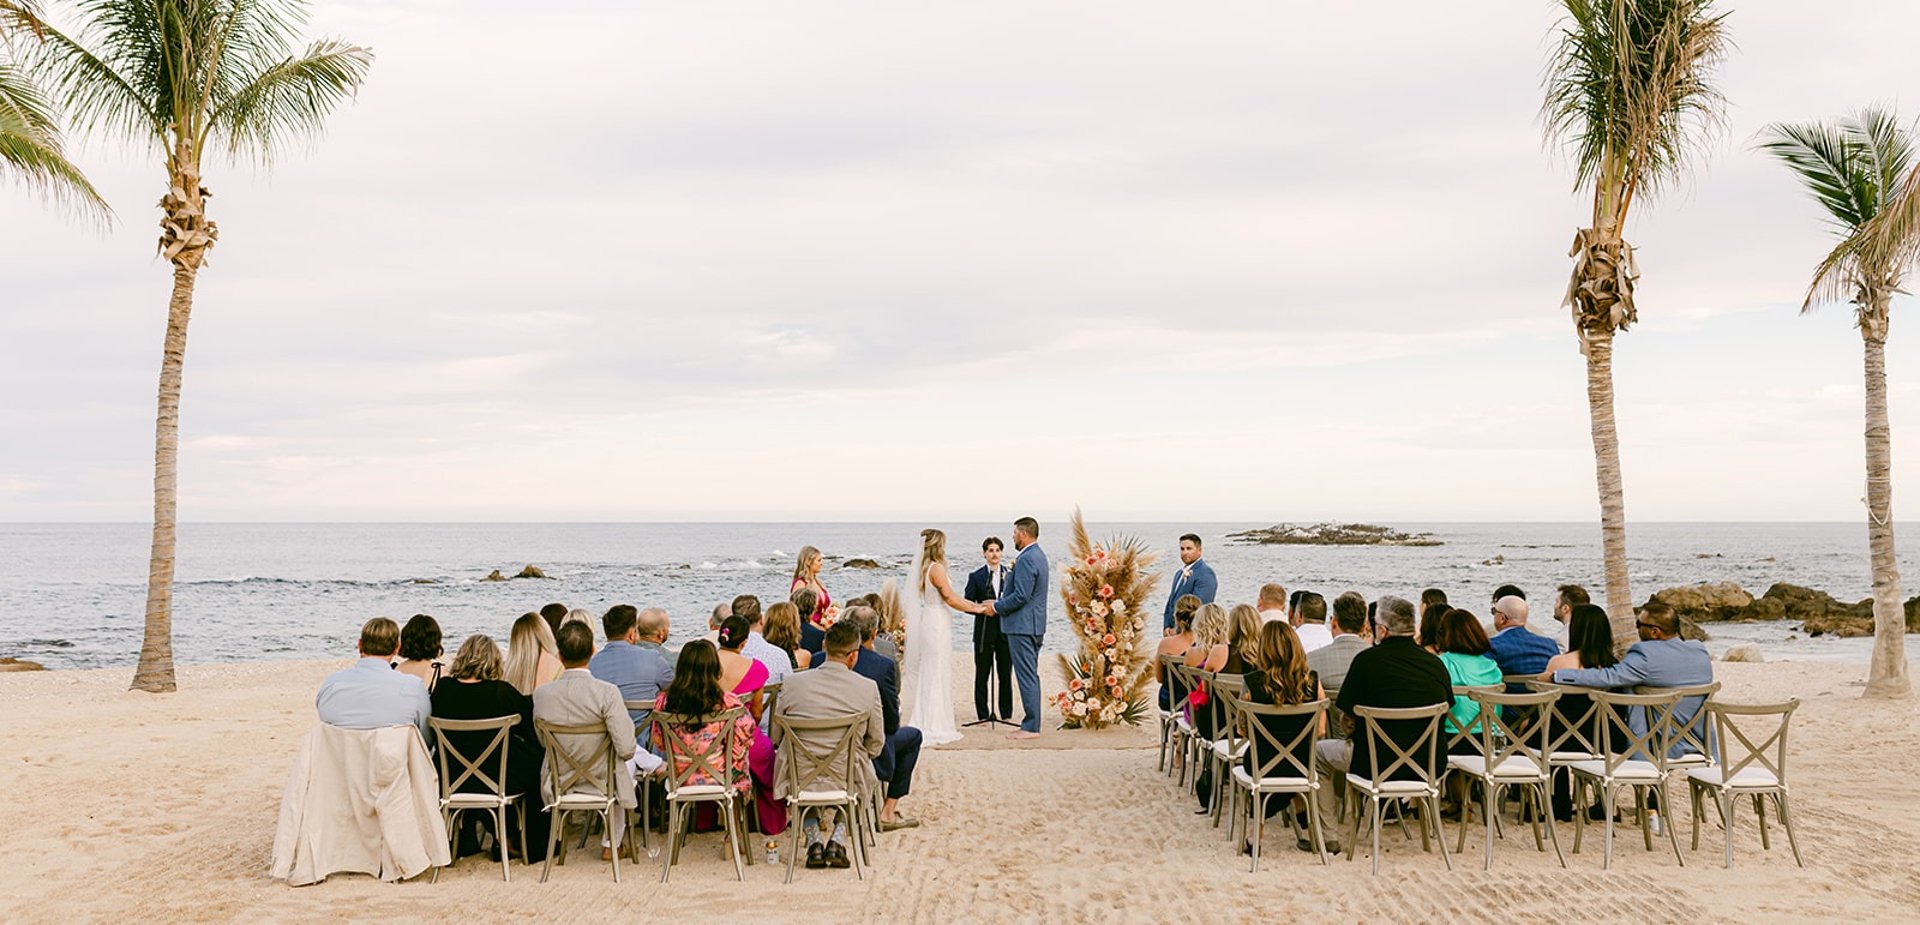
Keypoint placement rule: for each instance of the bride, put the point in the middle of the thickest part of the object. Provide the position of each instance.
(928, 606)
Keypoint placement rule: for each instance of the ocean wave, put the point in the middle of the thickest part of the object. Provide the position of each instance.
(259, 581)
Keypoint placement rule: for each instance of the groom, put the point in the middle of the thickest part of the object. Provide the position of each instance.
(1022, 609)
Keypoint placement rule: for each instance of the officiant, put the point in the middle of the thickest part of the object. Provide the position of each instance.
(992, 657)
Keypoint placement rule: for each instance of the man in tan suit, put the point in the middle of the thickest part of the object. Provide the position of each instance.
(830, 690)
(577, 698)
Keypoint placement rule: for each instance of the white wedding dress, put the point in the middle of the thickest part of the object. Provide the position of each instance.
(929, 669)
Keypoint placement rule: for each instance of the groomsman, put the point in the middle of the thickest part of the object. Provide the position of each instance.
(1195, 577)
(991, 653)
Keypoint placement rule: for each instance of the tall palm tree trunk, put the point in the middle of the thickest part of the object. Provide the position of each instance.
(1887, 671)
(1613, 506)
(156, 649)
(186, 234)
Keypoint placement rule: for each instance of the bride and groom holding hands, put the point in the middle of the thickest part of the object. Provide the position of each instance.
(931, 601)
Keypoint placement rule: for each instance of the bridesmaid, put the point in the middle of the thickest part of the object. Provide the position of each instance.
(806, 574)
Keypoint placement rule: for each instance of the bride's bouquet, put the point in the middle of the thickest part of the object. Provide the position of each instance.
(1105, 587)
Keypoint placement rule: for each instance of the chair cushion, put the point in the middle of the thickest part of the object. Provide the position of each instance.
(476, 801)
(1396, 788)
(692, 791)
(1514, 768)
(581, 801)
(1570, 757)
(1632, 769)
(1752, 777)
(1689, 760)
(1288, 784)
(1229, 750)
(820, 797)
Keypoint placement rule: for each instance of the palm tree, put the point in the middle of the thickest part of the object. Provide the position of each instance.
(1629, 92)
(30, 142)
(178, 77)
(1854, 167)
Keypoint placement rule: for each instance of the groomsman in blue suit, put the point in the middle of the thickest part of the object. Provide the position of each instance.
(1195, 577)
(1022, 609)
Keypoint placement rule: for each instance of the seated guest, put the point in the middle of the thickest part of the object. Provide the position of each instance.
(1508, 591)
(474, 690)
(1565, 598)
(720, 614)
(1272, 602)
(812, 636)
(1463, 650)
(1176, 644)
(1518, 650)
(783, 633)
(653, 627)
(1348, 627)
(779, 662)
(1310, 621)
(371, 694)
(834, 689)
(1660, 659)
(640, 673)
(555, 614)
(577, 698)
(697, 693)
(1395, 673)
(896, 762)
(1278, 674)
(1433, 597)
(532, 657)
(1243, 634)
(747, 678)
(420, 650)
(1210, 651)
(580, 616)
(1590, 646)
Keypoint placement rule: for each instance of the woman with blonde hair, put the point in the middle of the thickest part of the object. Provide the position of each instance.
(1176, 644)
(806, 574)
(927, 607)
(1209, 652)
(783, 630)
(532, 657)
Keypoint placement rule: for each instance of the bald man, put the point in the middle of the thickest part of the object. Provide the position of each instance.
(1518, 650)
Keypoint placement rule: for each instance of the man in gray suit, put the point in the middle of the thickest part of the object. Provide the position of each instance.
(828, 690)
(1349, 622)
(577, 698)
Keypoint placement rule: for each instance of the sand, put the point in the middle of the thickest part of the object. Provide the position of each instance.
(121, 806)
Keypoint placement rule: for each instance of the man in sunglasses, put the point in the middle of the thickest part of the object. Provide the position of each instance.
(1660, 659)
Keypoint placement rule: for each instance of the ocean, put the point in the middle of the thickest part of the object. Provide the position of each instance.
(72, 595)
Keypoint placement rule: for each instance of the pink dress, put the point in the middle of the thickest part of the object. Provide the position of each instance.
(773, 813)
(700, 739)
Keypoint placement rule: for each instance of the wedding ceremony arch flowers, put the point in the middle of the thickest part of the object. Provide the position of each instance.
(1105, 587)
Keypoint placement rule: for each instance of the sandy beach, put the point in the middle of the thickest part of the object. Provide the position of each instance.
(130, 806)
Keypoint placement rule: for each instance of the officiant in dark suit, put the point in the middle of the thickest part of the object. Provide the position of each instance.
(992, 657)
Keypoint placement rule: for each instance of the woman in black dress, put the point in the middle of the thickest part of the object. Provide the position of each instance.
(473, 689)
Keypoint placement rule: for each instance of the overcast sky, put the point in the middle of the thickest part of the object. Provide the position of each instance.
(769, 260)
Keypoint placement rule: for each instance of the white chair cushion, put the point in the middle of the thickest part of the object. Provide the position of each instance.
(1570, 757)
(1514, 768)
(1752, 777)
(1632, 769)
(820, 797)
(1689, 760)
(1268, 784)
(475, 801)
(581, 801)
(693, 791)
(1229, 750)
(1396, 788)
(1185, 724)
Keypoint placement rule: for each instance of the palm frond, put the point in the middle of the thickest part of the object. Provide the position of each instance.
(30, 145)
(1831, 164)
(1629, 93)
(291, 99)
(1890, 243)
(90, 90)
(1855, 168)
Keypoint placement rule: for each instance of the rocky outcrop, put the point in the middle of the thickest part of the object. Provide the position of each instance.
(1818, 612)
(494, 576)
(1747, 652)
(1330, 534)
(860, 563)
(17, 664)
(531, 571)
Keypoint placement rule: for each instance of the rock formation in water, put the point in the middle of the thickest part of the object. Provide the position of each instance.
(1817, 611)
(19, 664)
(860, 563)
(531, 571)
(1330, 534)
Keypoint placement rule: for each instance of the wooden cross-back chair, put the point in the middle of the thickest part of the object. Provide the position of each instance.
(588, 786)
(1745, 768)
(802, 790)
(717, 761)
(1421, 757)
(494, 801)
(1278, 768)
(1509, 756)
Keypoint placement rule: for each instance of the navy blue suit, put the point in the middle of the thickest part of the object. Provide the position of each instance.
(1022, 609)
(896, 761)
(1519, 650)
(1198, 580)
(992, 657)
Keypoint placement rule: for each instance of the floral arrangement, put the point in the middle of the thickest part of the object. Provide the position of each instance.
(1104, 587)
(825, 619)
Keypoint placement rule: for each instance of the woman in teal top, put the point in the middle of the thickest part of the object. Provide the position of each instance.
(1463, 648)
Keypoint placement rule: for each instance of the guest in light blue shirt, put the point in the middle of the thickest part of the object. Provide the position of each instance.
(1660, 659)
(640, 671)
(371, 695)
